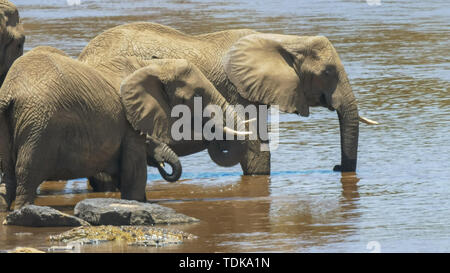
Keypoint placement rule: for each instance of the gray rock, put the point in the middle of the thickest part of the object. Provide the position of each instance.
(118, 212)
(39, 216)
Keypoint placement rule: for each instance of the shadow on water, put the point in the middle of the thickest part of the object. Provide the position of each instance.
(73, 191)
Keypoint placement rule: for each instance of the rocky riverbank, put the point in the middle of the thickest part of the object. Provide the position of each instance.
(41, 216)
(100, 220)
(98, 211)
(118, 212)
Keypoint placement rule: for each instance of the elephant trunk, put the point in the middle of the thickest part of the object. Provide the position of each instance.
(172, 159)
(161, 153)
(347, 111)
(227, 153)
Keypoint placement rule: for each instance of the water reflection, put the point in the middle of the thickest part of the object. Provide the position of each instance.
(238, 215)
(349, 182)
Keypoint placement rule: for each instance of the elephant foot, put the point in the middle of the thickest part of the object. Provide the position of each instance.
(23, 200)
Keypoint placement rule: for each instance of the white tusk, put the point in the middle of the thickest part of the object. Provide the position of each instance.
(367, 121)
(161, 165)
(231, 131)
(248, 121)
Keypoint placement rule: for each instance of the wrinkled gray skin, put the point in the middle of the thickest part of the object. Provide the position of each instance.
(62, 119)
(12, 37)
(158, 153)
(248, 67)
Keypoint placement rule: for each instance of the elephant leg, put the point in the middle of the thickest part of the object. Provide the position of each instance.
(256, 161)
(27, 185)
(7, 192)
(29, 171)
(103, 182)
(133, 169)
(8, 183)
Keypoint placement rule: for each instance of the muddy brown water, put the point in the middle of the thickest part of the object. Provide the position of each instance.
(397, 58)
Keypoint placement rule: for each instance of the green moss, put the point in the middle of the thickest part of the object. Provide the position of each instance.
(134, 235)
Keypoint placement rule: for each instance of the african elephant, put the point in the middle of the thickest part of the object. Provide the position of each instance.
(247, 67)
(12, 37)
(63, 119)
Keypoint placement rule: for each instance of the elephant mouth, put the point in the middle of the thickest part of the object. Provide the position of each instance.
(324, 102)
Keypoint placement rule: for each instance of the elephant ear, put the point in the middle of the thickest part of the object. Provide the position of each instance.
(149, 94)
(263, 71)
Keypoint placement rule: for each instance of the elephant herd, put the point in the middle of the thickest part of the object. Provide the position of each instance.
(107, 114)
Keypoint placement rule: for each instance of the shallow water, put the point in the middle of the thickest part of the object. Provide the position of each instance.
(396, 55)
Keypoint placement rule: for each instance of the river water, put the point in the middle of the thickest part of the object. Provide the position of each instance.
(397, 57)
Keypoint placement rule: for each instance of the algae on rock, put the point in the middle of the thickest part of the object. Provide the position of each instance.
(132, 235)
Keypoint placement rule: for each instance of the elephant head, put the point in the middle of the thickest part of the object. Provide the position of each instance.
(11, 37)
(150, 94)
(295, 73)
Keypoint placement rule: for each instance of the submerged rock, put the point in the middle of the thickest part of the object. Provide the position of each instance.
(40, 216)
(132, 235)
(25, 250)
(118, 212)
(68, 247)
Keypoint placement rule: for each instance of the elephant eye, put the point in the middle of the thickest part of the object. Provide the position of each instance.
(329, 70)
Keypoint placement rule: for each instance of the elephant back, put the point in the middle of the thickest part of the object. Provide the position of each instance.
(150, 40)
(48, 76)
